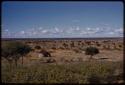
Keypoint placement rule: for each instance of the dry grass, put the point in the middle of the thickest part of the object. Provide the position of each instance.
(80, 73)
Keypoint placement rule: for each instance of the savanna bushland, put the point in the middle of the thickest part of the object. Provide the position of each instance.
(62, 61)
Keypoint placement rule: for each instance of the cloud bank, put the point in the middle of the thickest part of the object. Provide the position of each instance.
(64, 32)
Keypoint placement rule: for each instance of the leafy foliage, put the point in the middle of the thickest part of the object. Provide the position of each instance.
(12, 50)
(91, 51)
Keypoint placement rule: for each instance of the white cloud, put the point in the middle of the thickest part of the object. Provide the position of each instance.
(77, 28)
(119, 30)
(22, 32)
(111, 33)
(72, 31)
(56, 29)
(83, 32)
(88, 28)
(97, 29)
(44, 31)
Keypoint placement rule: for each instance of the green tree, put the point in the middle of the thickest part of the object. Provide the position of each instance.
(91, 51)
(13, 50)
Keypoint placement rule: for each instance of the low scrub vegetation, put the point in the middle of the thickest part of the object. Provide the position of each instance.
(80, 73)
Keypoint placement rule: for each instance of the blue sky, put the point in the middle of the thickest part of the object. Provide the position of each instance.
(61, 19)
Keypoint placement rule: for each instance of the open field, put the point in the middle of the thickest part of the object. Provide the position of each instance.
(68, 62)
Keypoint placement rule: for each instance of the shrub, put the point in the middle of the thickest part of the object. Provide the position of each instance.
(65, 45)
(91, 51)
(72, 44)
(13, 50)
(45, 53)
(37, 47)
(77, 50)
(120, 45)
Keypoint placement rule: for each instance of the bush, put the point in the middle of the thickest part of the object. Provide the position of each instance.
(91, 51)
(45, 53)
(37, 47)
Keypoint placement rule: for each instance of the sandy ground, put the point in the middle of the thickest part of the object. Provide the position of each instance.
(113, 55)
(71, 56)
